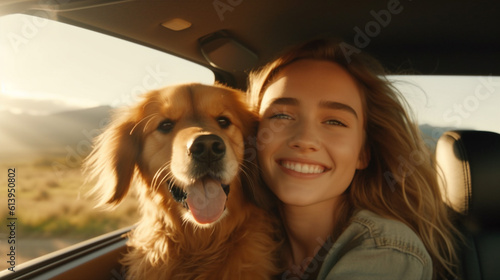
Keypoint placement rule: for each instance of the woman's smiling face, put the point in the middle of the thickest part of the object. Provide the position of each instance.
(311, 132)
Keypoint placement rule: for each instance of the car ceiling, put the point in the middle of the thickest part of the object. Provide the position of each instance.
(447, 37)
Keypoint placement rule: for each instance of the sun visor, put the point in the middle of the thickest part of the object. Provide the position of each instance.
(224, 52)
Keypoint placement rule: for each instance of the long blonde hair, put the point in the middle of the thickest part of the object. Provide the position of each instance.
(400, 181)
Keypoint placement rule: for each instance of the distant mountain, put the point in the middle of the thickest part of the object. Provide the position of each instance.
(23, 134)
(91, 115)
(434, 132)
(431, 134)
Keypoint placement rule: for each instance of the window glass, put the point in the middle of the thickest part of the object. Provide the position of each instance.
(441, 103)
(58, 84)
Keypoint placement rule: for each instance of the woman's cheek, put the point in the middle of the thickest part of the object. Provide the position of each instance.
(266, 136)
(264, 165)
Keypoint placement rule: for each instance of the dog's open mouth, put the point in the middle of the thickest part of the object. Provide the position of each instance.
(205, 199)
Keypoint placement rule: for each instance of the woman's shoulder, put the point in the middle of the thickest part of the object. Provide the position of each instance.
(381, 247)
(388, 233)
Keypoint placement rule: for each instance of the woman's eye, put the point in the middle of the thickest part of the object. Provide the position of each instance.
(281, 116)
(224, 122)
(335, 122)
(166, 126)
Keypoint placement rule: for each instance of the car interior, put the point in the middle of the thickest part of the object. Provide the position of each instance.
(469, 162)
(231, 37)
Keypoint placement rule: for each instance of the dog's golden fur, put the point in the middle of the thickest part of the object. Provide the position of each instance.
(149, 143)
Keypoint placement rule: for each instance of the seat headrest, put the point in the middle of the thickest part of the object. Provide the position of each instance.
(470, 166)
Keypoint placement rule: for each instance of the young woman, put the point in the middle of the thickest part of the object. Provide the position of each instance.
(355, 185)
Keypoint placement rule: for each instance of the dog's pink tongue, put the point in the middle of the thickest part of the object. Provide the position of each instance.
(206, 200)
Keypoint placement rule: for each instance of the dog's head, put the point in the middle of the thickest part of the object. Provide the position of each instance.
(186, 143)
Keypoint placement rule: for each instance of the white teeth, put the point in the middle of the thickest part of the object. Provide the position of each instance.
(302, 167)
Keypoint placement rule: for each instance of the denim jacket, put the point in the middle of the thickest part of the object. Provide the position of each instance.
(373, 247)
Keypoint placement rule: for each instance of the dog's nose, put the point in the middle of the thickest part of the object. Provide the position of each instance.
(207, 148)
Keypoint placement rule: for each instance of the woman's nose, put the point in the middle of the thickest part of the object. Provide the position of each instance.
(304, 138)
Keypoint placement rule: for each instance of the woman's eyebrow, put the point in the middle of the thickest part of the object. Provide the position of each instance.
(337, 106)
(285, 101)
(322, 104)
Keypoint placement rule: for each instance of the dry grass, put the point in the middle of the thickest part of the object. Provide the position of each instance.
(51, 205)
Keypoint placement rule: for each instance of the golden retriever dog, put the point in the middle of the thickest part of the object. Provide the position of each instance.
(184, 147)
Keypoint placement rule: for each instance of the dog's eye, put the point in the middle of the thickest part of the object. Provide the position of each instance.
(224, 122)
(166, 126)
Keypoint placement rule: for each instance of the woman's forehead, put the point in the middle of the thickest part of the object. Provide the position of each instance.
(315, 81)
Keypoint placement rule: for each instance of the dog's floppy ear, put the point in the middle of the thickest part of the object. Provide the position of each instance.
(113, 161)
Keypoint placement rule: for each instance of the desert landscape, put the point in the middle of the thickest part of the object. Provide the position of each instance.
(52, 208)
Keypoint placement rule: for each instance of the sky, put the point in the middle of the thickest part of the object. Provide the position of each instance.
(45, 63)
(453, 101)
(47, 67)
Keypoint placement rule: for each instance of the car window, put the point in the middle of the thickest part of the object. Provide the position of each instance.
(442, 103)
(58, 84)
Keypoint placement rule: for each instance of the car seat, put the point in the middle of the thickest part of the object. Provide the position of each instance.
(470, 166)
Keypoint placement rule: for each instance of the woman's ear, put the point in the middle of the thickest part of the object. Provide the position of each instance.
(113, 161)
